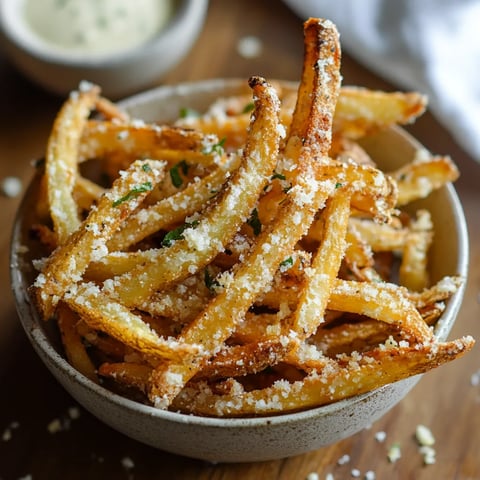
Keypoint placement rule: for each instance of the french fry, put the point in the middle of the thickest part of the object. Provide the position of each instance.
(102, 313)
(74, 347)
(321, 276)
(360, 111)
(413, 272)
(70, 260)
(326, 385)
(422, 176)
(173, 209)
(62, 158)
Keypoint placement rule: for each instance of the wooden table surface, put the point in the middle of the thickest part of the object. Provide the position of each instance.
(446, 400)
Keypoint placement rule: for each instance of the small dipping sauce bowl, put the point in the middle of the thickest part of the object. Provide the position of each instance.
(124, 46)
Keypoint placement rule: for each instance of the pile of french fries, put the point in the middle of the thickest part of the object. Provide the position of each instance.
(241, 261)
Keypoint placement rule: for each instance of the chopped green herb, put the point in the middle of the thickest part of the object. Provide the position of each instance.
(254, 222)
(248, 107)
(338, 185)
(288, 262)
(146, 167)
(215, 148)
(175, 173)
(134, 192)
(186, 112)
(210, 281)
(278, 176)
(177, 233)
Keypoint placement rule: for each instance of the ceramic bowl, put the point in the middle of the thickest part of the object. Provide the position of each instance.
(248, 439)
(119, 74)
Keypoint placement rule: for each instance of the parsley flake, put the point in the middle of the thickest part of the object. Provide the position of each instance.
(215, 148)
(248, 107)
(175, 175)
(254, 222)
(210, 281)
(186, 112)
(279, 176)
(177, 233)
(288, 262)
(134, 192)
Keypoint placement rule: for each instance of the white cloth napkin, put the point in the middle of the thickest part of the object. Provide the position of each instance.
(432, 46)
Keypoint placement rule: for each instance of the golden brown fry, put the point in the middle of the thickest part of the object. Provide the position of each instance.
(380, 236)
(419, 178)
(88, 242)
(72, 342)
(381, 301)
(320, 277)
(247, 359)
(439, 292)
(140, 140)
(173, 209)
(413, 272)
(86, 192)
(134, 375)
(342, 379)
(102, 313)
(361, 111)
(62, 158)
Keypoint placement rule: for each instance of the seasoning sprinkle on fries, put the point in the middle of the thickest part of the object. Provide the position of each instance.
(249, 263)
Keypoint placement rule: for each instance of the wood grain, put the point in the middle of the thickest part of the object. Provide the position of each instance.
(444, 400)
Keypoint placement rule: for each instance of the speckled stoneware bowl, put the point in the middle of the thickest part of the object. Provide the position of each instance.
(250, 439)
(119, 73)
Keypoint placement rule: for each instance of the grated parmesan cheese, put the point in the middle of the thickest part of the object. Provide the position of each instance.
(380, 436)
(428, 453)
(424, 436)
(394, 453)
(343, 460)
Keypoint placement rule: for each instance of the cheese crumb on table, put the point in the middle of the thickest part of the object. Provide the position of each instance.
(11, 186)
(429, 454)
(475, 379)
(127, 463)
(424, 436)
(249, 47)
(394, 453)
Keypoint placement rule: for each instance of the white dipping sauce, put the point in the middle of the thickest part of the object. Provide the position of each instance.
(96, 27)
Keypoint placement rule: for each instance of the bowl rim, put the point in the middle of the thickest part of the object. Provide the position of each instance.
(31, 322)
(16, 31)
